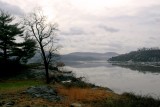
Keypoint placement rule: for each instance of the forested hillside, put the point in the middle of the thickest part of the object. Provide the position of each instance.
(141, 55)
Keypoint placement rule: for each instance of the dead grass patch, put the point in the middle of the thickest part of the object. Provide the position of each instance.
(87, 95)
(70, 95)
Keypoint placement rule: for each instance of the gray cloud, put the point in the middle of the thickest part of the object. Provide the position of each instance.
(12, 9)
(103, 27)
(108, 29)
(115, 45)
(136, 31)
(153, 38)
(150, 15)
(74, 31)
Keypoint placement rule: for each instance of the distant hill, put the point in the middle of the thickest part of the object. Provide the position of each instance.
(77, 56)
(38, 59)
(87, 56)
(141, 55)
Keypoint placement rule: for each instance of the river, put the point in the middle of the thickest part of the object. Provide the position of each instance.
(138, 80)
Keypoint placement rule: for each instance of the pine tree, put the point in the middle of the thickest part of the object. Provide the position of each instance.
(9, 48)
(25, 51)
(8, 33)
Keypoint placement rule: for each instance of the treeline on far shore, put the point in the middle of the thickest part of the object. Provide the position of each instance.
(141, 55)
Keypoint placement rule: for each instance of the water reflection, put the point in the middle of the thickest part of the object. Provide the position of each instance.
(120, 78)
(134, 66)
(88, 64)
(140, 68)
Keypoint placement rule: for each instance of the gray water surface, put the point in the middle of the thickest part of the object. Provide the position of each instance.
(139, 80)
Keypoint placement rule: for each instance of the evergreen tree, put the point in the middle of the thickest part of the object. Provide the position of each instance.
(9, 48)
(8, 33)
(25, 51)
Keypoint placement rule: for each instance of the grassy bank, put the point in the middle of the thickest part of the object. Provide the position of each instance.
(13, 90)
(17, 85)
(87, 96)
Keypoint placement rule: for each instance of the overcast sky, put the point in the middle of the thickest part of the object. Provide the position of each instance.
(98, 25)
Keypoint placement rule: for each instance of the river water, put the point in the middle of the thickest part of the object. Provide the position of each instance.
(138, 80)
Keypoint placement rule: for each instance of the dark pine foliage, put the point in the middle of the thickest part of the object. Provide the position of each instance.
(9, 48)
(13, 52)
(8, 33)
(10, 68)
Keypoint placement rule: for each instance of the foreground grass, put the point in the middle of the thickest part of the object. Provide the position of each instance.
(17, 85)
(12, 91)
(129, 100)
(87, 96)
(100, 97)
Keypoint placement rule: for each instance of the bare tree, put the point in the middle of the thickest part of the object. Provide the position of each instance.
(45, 35)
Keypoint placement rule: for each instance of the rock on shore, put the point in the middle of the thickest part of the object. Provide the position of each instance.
(45, 92)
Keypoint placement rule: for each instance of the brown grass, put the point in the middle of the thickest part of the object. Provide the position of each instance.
(24, 100)
(87, 95)
(70, 95)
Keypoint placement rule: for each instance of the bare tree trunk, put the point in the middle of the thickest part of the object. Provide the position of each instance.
(5, 53)
(45, 64)
(43, 34)
(47, 73)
